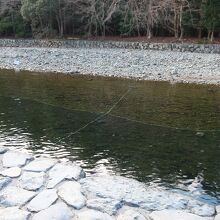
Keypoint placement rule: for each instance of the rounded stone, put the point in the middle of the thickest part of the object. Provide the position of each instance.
(14, 213)
(93, 215)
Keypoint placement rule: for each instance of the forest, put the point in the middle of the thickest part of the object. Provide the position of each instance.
(124, 18)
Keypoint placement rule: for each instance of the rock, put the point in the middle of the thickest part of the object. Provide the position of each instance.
(11, 172)
(14, 196)
(217, 209)
(59, 211)
(32, 180)
(40, 165)
(4, 181)
(70, 192)
(132, 214)
(105, 205)
(132, 192)
(13, 213)
(43, 200)
(174, 215)
(201, 209)
(15, 159)
(217, 217)
(93, 215)
(3, 150)
(61, 172)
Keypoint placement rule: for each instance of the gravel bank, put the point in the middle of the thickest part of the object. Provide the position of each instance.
(127, 63)
(44, 189)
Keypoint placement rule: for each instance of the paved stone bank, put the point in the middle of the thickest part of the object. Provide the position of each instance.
(198, 48)
(45, 189)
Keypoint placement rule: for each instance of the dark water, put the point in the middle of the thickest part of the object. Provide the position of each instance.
(158, 133)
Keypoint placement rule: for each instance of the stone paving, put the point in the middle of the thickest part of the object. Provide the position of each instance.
(48, 189)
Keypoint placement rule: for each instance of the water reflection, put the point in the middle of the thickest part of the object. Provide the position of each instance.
(151, 135)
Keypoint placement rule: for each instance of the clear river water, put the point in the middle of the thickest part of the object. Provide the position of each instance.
(155, 132)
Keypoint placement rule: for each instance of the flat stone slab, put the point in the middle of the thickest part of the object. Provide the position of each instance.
(59, 211)
(15, 196)
(40, 165)
(93, 215)
(11, 172)
(70, 192)
(43, 200)
(14, 213)
(61, 172)
(4, 181)
(106, 205)
(15, 159)
(175, 215)
(32, 180)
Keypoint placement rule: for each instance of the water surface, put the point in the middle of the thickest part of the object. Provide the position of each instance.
(162, 134)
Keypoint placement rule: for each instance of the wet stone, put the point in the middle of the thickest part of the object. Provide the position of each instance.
(43, 200)
(15, 159)
(61, 172)
(106, 205)
(59, 211)
(13, 213)
(93, 215)
(32, 180)
(40, 165)
(14, 196)
(174, 215)
(11, 172)
(4, 181)
(70, 192)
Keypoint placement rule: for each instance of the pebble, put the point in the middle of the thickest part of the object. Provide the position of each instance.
(93, 215)
(4, 181)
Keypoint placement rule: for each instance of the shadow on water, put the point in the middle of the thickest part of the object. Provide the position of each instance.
(161, 134)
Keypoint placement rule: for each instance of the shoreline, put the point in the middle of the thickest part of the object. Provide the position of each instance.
(152, 65)
(48, 188)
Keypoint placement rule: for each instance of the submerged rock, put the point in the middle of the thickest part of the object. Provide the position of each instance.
(43, 200)
(13, 213)
(61, 172)
(59, 211)
(11, 172)
(15, 196)
(70, 192)
(15, 159)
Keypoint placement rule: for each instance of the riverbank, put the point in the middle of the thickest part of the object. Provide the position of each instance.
(45, 188)
(138, 64)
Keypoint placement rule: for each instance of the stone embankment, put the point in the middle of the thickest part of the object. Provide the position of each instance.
(127, 63)
(74, 43)
(44, 189)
